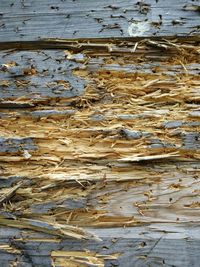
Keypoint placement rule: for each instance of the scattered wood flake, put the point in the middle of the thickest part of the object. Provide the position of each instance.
(151, 157)
(9, 249)
(80, 258)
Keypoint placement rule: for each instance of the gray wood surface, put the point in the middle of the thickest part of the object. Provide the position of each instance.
(52, 67)
(152, 246)
(99, 138)
(32, 20)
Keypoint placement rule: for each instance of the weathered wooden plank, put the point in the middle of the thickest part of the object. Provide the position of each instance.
(121, 117)
(41, 74)
(33, 20)
(38, 75)
(121, 151)
(132, 194)
(138, 246)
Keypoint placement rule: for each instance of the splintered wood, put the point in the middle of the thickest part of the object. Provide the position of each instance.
(76, 258)
(99, 135)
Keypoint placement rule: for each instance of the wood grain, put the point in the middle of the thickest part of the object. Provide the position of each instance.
(99, 154)
(33, 20)
(138, 246)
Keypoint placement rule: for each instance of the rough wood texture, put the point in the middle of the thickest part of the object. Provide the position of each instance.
(138, 246)
(98, 136)
(32, 20)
